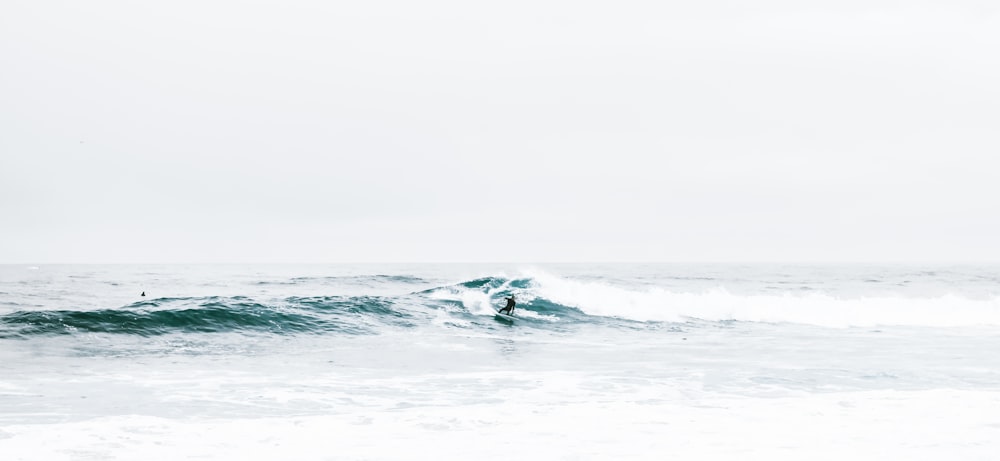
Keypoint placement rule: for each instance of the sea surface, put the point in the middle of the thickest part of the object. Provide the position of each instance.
(605, 361)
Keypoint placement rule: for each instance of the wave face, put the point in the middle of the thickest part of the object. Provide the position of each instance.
(310, 315)
(281, 306)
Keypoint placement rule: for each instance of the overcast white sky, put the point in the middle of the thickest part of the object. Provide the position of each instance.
(534, 131)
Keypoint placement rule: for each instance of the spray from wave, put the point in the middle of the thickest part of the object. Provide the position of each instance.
(656, 304)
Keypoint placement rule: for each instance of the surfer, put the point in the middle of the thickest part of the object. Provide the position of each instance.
(509, 307)
(143, 293)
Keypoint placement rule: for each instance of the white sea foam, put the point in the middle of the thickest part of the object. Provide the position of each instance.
(657, 304)
(856, 426)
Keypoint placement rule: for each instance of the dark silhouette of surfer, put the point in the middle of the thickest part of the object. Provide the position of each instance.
(509, 308)
(143, 293)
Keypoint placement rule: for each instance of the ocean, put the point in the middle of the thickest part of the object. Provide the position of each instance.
(408, 361)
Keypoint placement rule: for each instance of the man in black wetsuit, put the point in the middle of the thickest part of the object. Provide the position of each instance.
(509, 307)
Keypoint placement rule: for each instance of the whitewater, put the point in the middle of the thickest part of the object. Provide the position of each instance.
(407, 361)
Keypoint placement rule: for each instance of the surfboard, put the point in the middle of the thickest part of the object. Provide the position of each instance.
(509, 318)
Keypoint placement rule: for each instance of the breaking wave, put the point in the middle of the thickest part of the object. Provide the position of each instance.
(544, 300)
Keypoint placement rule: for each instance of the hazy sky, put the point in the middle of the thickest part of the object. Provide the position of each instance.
(325, 131)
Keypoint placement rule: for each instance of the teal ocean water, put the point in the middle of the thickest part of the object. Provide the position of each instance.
(641, 361)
